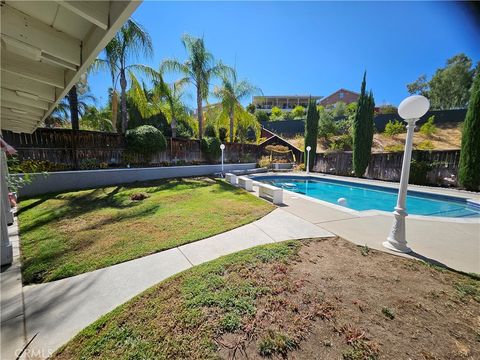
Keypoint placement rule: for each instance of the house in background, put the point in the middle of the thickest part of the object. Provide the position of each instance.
(342, 95)
(284, 102)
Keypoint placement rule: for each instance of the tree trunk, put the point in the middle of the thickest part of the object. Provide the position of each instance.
(73, 104)
(114, 110)
(123, 99)
(199, 114)
(174, 128)
(231, 124)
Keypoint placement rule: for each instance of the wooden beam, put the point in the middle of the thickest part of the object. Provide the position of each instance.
(12, 96)
(26, 29)
(8, 112)
(18, 125)
(119, 13)
(95, 12)
(21, 83)
(30, 110)
(34, 70)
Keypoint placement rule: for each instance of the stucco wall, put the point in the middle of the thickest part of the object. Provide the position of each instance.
(85, 179)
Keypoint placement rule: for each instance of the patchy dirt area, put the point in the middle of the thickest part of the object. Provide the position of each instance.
(311, 299)
(448, 137)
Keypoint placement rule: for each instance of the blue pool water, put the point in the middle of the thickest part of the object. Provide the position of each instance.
(368, 197)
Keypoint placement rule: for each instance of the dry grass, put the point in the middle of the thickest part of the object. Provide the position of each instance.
(448, 137)
(67, 234)
(315, 299)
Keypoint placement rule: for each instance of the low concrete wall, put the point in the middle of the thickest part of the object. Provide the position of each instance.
(86, 179)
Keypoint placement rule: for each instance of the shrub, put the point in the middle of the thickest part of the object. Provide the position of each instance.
(145, 140)
(92, 164)
(469, 168)
(425, 145)
(418, 172)
(222, 134)
(298, 112)
(342, 143)
(326, 126)
(276, 114)
(393, 128)
(428, 129)
(210, 131)
(211, 147)
(261, 116)
(394, 148)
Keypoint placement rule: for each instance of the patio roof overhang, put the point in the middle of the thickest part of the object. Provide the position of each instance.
(46, 46)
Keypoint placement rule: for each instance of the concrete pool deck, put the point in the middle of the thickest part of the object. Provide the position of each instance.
(451, 242)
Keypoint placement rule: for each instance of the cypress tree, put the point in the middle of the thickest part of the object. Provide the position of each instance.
(311, 133)
(363, 130)
(469, 168)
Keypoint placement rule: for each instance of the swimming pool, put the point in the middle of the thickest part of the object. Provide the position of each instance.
(370, 197)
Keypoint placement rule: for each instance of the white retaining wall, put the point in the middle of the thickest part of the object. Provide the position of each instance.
(85, 179)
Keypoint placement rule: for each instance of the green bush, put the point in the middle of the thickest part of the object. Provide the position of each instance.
(342, 143)
(92, 164)
(394, 148)
(469, 168)
(418, 172)
(222, 134)
(261, 116)
(393, 128)
(276, 114)
(145, 140)
(298, 112)
(211, 147)
(210, 131)
(425, 145)
(428, 129)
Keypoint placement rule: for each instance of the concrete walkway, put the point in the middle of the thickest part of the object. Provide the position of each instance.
(56, 311)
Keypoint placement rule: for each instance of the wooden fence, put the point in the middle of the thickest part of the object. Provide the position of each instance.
(71, 149)
(437, 167)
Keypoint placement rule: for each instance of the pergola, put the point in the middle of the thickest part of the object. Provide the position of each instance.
(46, 46)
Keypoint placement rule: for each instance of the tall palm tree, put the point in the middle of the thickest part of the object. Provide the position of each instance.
(130, 42)
(198, 70)
(231, 92)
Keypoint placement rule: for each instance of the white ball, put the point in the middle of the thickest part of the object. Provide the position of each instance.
(342, 201)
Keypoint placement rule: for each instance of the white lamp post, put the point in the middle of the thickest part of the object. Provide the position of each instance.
(410, 109)
(222, 147)
(308, 159)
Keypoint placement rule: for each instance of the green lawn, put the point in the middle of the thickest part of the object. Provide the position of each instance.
(71, 233)
(181, 317)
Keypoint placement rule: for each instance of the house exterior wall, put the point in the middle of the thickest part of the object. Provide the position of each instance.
(343, 95)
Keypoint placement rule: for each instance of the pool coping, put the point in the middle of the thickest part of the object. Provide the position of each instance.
(463, 195)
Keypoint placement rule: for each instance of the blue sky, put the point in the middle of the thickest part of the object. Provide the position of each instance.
(313, 47)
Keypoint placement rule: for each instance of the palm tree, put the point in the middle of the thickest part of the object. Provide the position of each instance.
(164, 98)
(95, 119)
(198, 69)
(173, 106)
(130, 42)
(66, 109)
(231, 93)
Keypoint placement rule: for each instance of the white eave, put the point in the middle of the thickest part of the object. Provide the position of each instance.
(45, 47)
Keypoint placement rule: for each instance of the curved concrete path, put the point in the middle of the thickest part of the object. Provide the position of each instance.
(56, 311)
